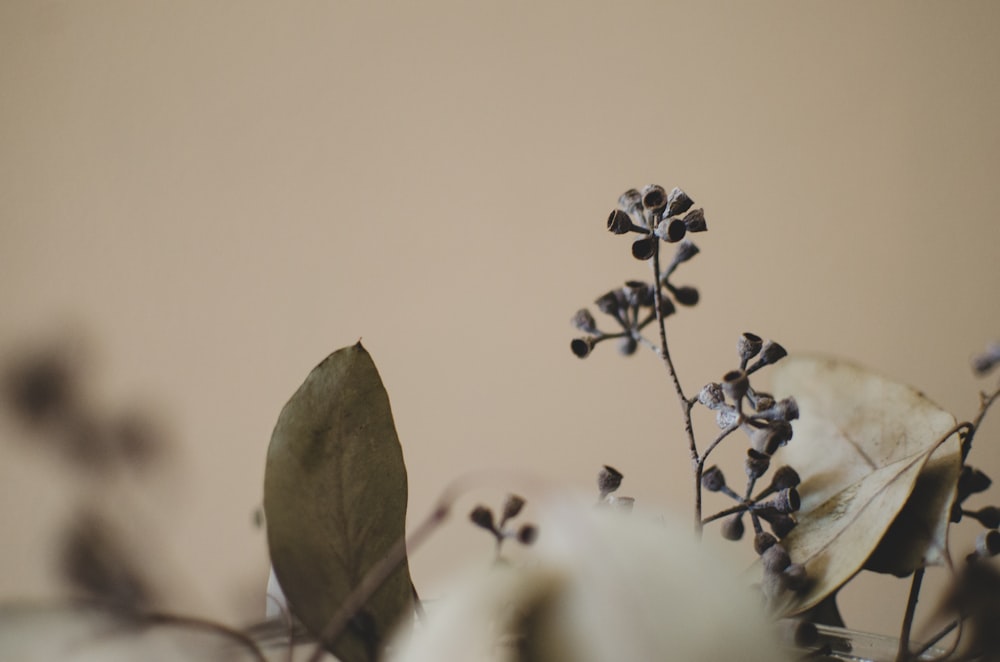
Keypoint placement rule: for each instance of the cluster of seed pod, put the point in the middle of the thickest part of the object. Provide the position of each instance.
(482, 517)
(656, 215)
(767, 425)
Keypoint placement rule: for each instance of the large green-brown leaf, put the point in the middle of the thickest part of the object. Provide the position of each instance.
(878, 477)
(335, 500)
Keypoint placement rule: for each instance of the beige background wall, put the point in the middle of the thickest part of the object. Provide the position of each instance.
(205, 198)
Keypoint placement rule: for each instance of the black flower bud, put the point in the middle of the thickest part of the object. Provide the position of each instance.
(585, 322)
(695, 221)
(630, 199)
(732, 528)
(713, 480)
(748, 346)
(775, 558)
(482, 517)
(685, 251)
(671, 230)
(627, 346)
(654, 197)
(685, 295)
(678, 202)
(756, 464)
(794, 577)
(610, 303)
(511, 507)
(582, 346)
(771, 353)
(643, 249)
(638, 293)
(735, 385)
(527, 534)
(762, 541)
(972, 481)
(619, 222)
(988, 516)
(784, 477)
(609, 479)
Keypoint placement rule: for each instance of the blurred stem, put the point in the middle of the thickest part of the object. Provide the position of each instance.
(903, 654)
(686, 405)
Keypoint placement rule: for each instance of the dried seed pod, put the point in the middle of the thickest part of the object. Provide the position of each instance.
(685, 295)
(654, 197)
(685, 251)
(761, 401)
(619, 222)
(630, 199)
(762, 541)
(726, 416)
(582, 346)
(771, 437)
(482, 517)
(638, 293)
(713, 480)
(585, 322)
(610, 303)
(770, 353)
(985, 362)
(609, 479)
(711, 396)
(627, 346)
(749, 346)
(695, 221)
(781, 525)
(671, 230)
(784, 478)
(756, 464)
(787, 501)
(775, 558)
(512, 505)
(988, 516)
(527, 534)
(988, 543)
(666, 307)
(972, 481)
(732, 527)
(643, 249)
(678, 202)
(735, 384)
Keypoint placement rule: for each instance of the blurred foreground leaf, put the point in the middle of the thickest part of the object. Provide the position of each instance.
(878, 477)
(335, 501)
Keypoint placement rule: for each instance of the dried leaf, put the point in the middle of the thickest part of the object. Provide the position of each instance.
(865, 448)
(335, 500)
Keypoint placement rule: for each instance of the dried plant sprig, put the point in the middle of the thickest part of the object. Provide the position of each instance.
(513, 504)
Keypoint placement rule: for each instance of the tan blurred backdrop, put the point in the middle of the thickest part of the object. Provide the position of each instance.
(202, 199)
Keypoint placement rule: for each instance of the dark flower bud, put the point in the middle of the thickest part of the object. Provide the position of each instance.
(748, 346)
(584, 321)
(685, 295)
(762, 541)
(666, 307)
(988, 543)
(771, 353)
(735, 385)
(609, 479)
(627, 346)
(527, 534)
(695, 221)
(582, 346)
(511, 507)
(787, 408)
(678, 202)
(712, 396)
(630, 199)
(771, 437)
(956, 512)
(713, 480)
(972, 481)
(756, 464)
(654, 197)
(988, 516)
(643, 249)
(638, 293)
(732, 528)
(775, 558)
(610, 303)
(782, 525)
(794, 577)
(671, 230)
(786, 501)
(619, 222)
(784, 477)
(761, 401)
(482, 516)
(685, 251)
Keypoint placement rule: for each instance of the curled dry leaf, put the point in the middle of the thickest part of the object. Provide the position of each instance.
(335, 501)
(878, 474)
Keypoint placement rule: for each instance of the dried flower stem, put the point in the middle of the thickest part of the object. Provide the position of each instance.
(686, 405)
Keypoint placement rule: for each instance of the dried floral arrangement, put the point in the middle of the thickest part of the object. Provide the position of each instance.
(843, 471)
